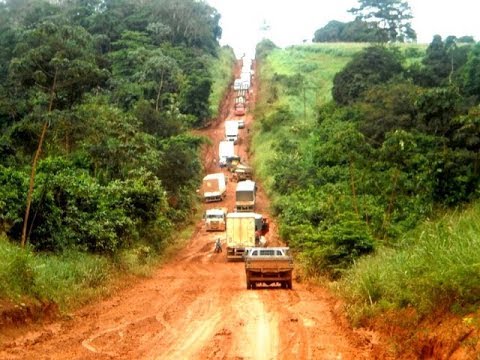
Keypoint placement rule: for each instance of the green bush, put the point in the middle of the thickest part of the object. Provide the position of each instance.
(13, 185)
(71, 209)
(17, 274)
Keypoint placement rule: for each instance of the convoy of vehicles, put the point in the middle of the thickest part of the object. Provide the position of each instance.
(214, 187)
(245, 230)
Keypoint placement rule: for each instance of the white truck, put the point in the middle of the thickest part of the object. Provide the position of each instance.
(237, 84)
(215, 219)
(240, 234)
(231, 131)
(245, 196)
(268, 266)
(214, 187)
(226, 150)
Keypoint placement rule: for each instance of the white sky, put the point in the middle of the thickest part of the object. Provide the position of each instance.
(292, 21)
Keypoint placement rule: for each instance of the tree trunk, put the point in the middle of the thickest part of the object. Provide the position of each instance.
(159, 93)
(34, 164)
(352, 184)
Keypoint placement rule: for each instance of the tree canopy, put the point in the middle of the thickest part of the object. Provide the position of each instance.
(110, 88)
(391, 17)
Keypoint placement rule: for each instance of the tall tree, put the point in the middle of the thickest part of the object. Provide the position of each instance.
(55, 65)
(391, 16)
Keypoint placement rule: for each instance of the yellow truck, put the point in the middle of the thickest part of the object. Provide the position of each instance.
(240, 233)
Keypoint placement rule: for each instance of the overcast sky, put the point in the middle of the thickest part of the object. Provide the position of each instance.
(292, 21)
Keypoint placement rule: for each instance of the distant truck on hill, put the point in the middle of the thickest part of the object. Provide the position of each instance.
(226, 151)
(231, 131)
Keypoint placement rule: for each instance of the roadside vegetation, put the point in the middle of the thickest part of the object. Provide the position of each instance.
(369, 154)
(222, 74)
(106, 94)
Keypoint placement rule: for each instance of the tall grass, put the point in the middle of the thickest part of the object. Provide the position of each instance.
(73, 278)
(68, 279)
(437, 264)
(222, 74)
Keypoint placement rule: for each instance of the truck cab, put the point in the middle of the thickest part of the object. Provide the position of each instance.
(215, 219)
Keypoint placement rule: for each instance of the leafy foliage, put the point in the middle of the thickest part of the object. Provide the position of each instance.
(375, 65)
(348, 178)
(119, 85)
(392, 17)
(353, 31)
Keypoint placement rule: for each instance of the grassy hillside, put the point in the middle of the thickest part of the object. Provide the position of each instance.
(300, 78)
(337, 197)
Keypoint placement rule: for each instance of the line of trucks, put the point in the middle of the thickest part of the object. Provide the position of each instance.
(245, 239)
(244, 229)
(245, 233)
(241, 86)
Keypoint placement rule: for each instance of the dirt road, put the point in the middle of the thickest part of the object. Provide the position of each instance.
(197, 307)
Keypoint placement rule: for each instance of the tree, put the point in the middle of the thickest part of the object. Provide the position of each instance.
(330, 32)
(471, 73)
(160, 73)
(373, 65)
(353, 31)
(55, 65)
(391, 16)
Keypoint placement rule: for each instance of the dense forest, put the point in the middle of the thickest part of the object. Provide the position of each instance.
(97, 98)
(393, 141)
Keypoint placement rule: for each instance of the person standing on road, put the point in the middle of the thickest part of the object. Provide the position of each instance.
(218, 245)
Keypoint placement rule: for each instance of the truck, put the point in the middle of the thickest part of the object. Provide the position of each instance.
(240, 234)
(273, 265)
(237, 84)
(226, 150)
(214, 187)
(242, 172)
(245, 196)
(239, 109)
(231, 131)
(215, 219)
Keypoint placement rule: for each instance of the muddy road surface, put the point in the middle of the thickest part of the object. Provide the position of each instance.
(197, 307)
